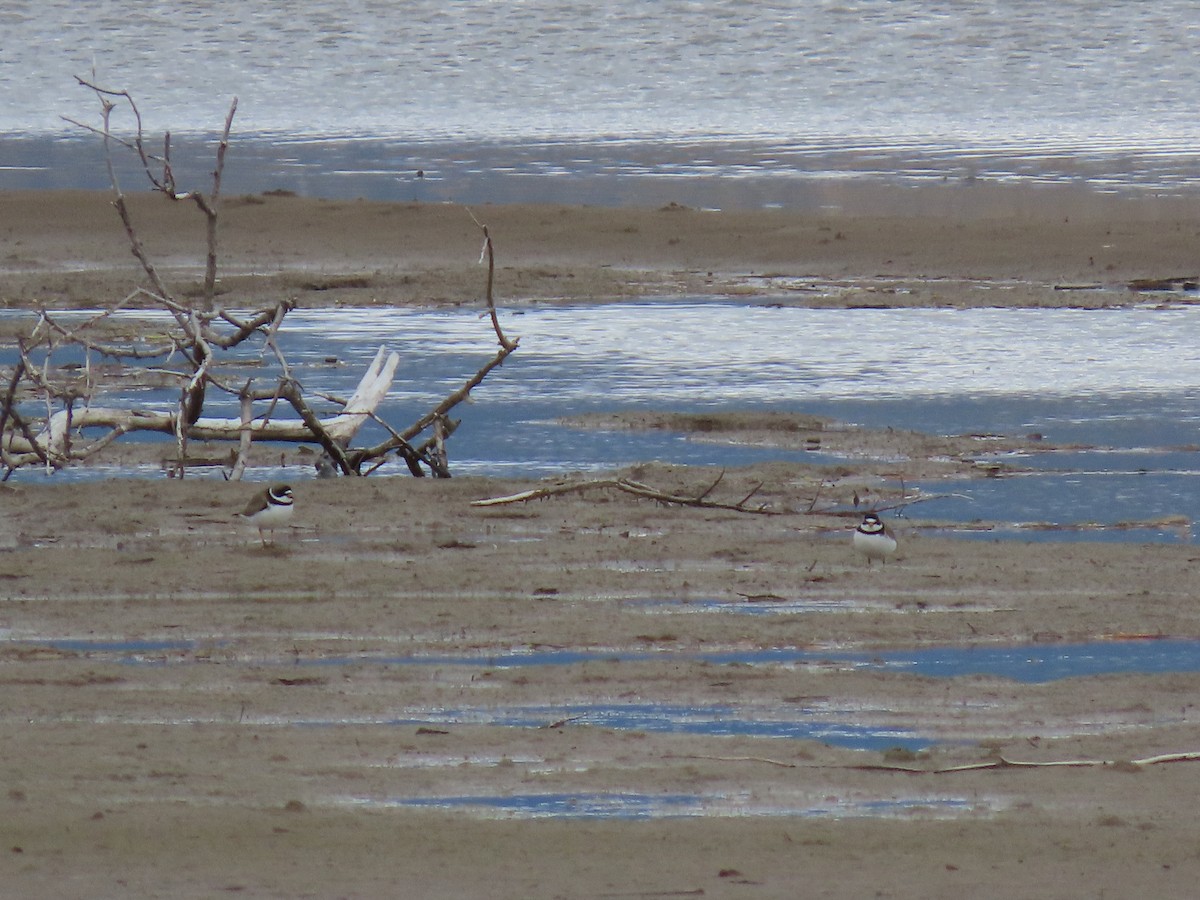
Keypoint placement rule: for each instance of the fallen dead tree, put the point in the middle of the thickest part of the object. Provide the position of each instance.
(54, 441)
(54, 415)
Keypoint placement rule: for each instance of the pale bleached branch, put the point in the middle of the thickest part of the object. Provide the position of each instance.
(1002, 762)
(999, 762)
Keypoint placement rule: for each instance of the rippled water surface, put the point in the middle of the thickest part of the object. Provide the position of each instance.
(355, 97)
(539, 67)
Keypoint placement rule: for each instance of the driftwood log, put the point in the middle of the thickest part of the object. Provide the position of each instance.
(53, 442)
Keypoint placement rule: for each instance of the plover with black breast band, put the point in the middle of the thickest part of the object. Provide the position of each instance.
(873, 539)
(270, 508)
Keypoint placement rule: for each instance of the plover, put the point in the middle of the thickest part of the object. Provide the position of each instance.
(873, 539)
(269, 508)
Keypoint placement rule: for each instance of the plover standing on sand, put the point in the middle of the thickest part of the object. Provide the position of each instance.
(873, 539)
(270, 508)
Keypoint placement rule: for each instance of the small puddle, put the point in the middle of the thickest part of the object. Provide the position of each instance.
(633, 806)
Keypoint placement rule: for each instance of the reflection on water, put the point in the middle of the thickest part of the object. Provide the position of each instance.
(1124, 381)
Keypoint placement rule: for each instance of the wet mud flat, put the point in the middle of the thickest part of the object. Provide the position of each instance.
(579, 696)
(590, 695)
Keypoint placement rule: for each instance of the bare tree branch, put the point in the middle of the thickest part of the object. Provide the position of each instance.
(193, 354)
(629, 487)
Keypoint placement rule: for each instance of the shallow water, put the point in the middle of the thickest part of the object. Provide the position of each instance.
(1029, 663)
(839, 723)
(1123, 383)
(818, 176)
(822, 725)
(1034, 664)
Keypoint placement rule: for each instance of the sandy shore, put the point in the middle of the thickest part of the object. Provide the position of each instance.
(69, 248)
(260, 738)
